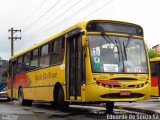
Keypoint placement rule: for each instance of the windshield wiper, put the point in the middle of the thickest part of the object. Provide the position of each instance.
(117, 50)
(127, 44)
(105, 36)
(128, 41)
(109, 40)
(124, 50)
(121, 52)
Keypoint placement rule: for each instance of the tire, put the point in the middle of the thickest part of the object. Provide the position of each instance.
(109, 107)
(54, 104)
(21, 99)
(8, 99)
(62, 105)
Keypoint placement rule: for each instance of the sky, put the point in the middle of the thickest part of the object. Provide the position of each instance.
(39, 19)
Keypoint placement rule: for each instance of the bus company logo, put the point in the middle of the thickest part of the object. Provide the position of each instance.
(124, 85)
(44, 76)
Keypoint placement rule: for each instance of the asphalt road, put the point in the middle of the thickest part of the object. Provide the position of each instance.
(43, 111)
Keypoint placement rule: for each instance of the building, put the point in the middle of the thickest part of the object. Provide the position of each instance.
(156, 48)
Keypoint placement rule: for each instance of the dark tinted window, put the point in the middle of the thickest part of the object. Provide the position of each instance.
(45, 50)
(153, 69)
(114, 27)
(35, 54)
(26, 61)
(34, 59)
(20, 64)
(44, 56)
(57, 51)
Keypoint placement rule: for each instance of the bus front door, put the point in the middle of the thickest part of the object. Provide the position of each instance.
(74, 67)
(158, 75)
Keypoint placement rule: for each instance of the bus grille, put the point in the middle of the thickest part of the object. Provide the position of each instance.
(117, 95)
(123, 86)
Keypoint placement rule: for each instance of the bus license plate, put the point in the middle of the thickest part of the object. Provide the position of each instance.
(125, 93)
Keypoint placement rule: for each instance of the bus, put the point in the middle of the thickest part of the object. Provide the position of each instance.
(155, 76)
(3, 73)
(3, 79)
(94, 61)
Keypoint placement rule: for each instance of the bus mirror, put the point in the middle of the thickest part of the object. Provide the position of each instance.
(84, 41)
(84, 38)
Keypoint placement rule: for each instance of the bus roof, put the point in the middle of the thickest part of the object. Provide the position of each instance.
(81, 25)
(155, 59)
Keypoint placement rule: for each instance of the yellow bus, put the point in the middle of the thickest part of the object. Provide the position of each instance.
(94, 61)
(155, 76)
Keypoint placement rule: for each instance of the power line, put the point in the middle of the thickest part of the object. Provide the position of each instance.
(80, 10)
(20, 45)
(33, 12)
(99, 8)
(17, 47)
(34, 22)
(57, 10)
(60, 8)
(66, 19)
(61, 14)
(76, 13)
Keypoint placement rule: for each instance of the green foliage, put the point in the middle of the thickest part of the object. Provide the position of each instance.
(152, 54)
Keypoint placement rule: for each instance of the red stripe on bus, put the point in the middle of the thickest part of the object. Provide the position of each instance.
(154, 81)
(108, 82)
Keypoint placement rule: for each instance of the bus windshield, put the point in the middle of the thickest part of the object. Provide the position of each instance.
(117, 54)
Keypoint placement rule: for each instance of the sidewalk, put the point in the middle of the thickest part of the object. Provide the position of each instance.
(151, 106)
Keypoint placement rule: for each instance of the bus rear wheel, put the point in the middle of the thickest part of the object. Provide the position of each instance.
(109, 107)
(62, 104)
(21, 99)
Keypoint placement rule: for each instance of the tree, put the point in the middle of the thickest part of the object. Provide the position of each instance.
(153, 54)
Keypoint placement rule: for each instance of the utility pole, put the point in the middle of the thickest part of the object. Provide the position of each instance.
(13, 39)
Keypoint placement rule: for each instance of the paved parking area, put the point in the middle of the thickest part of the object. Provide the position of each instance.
(149, 106)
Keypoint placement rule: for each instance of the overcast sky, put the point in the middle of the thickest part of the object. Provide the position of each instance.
(38, 19)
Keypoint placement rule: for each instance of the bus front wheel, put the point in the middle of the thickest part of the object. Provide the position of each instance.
(62, 104)
(109, 107)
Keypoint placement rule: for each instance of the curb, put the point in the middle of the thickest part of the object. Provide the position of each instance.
(150, 112)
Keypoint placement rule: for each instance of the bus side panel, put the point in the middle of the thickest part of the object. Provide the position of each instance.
(20, 81)
(42, 90)
(45, 80)
(57, 76)
(154, 81)
(154, 86)
(29, 91)
(89, 91)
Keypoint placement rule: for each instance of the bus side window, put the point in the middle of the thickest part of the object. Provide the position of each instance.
(19, 65)
(26, 61)
(44, 56)
(57, 51)
(34, 62)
